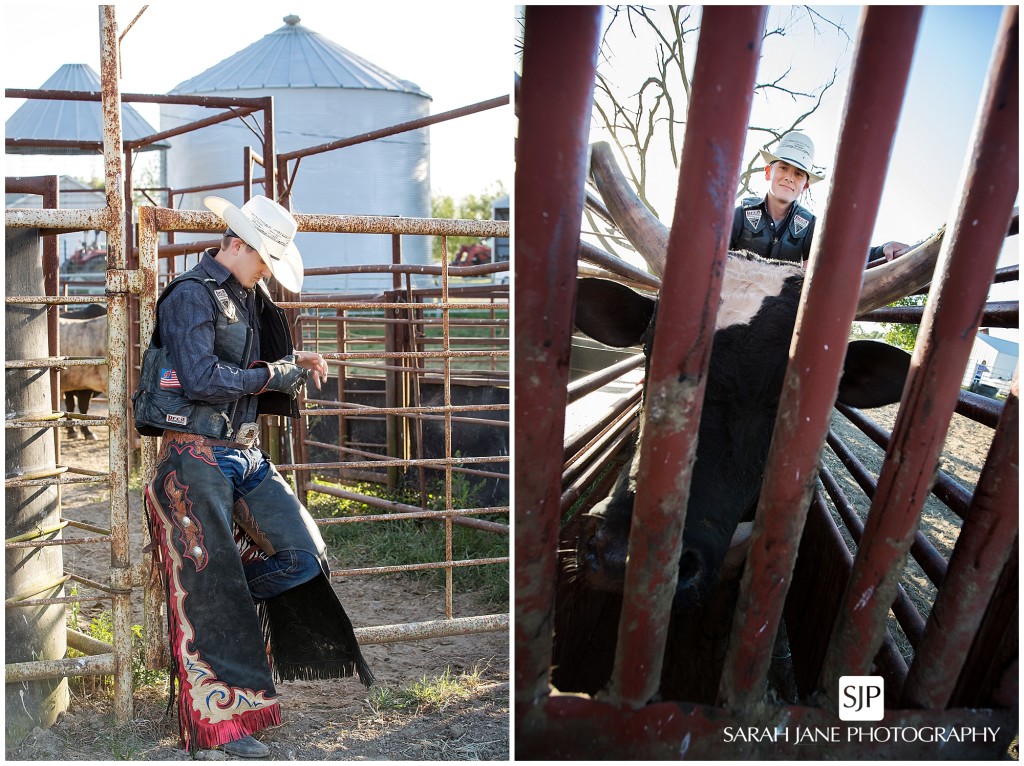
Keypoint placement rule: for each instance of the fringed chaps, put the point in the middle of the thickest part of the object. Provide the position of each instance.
(223, 646)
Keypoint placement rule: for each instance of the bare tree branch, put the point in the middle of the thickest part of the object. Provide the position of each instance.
(644, 119)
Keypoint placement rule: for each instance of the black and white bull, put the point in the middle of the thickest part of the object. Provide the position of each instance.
(747, 366)
(749, 356)
(82, 338)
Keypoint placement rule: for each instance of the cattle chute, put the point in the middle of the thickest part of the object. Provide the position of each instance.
(621, 722)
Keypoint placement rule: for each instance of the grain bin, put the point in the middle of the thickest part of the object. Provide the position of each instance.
(321, 92)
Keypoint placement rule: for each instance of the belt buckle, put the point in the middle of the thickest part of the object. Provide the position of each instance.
(248, 433)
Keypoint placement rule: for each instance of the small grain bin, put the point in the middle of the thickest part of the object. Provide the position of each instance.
(321, 92)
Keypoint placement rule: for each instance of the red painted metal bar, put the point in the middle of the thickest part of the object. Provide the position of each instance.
(723, 81)
(964, 273)
(982, 550)
(827, 307)
(559, 59)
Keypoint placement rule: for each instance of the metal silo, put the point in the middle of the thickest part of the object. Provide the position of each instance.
(321, 92)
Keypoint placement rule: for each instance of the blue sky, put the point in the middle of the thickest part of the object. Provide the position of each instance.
(459, 57)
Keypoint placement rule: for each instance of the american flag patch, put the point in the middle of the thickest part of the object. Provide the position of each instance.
(169, 379)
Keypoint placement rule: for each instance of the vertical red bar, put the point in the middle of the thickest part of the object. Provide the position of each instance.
(981, 551)
(723, 83)
(559, 58)
(964, 273)
(827, 307)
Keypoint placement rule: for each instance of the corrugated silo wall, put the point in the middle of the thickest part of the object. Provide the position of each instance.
(390, 176)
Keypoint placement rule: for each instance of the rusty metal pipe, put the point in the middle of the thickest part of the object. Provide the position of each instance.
(827, 308)
(597, 380)
(459, 626)
(931, 561)
(625, 408)
(1000, 314)
(726, 65)
(559, 58)
(907, 614)
(947, 489)
(117, 363)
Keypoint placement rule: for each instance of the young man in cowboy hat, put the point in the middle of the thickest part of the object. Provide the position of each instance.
(241, 559)
(777, 227)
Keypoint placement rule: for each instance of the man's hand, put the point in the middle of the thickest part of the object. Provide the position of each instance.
(894, 250)
(315, 364)
(285, 376)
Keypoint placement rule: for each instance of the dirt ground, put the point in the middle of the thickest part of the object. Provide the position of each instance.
(323, 720)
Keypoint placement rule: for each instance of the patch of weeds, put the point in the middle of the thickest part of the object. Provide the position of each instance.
(427, 694)
(101, 627)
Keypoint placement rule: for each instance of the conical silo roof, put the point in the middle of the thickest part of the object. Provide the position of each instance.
(295, 56)
(71, 120)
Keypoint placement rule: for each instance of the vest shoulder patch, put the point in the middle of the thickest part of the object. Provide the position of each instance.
(226, 305)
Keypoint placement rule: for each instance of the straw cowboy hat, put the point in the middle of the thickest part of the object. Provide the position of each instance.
(797, 150)
(267, 228)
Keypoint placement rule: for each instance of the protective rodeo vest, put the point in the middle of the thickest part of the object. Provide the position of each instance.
(790, 241)
(160, 402)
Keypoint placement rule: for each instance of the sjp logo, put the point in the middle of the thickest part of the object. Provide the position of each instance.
(861, 698)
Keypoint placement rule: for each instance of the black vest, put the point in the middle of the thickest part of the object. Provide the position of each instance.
(160, 402)
(753, 230)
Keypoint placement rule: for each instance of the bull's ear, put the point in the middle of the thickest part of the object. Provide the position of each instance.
(611, 313)
(873, 375)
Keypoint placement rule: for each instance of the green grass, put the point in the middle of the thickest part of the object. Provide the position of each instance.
(427, 694)
(392, 543)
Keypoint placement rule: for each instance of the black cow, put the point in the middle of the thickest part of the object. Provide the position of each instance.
(747, 366)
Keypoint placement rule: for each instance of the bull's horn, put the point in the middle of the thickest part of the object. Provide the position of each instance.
(900, 277)
(909, 273)
(645, 232)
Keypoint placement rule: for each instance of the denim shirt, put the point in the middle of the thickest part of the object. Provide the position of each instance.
(187, 322)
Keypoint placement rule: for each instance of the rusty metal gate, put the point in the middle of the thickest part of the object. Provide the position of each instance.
(126, 284)
(964, 673)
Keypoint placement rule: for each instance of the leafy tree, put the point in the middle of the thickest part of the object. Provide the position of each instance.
(904, 335)
(860, 332)
(473, 207)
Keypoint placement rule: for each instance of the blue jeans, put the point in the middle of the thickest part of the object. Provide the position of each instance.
(245, 469)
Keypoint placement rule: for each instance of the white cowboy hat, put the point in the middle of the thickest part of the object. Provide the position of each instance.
(267, 228)
(798, 150)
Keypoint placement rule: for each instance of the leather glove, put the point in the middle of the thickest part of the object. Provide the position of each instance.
(285, 376)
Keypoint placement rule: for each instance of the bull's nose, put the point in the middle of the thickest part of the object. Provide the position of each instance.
(691, 567)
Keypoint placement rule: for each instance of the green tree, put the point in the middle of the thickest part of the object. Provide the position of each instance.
(904, 335)
(473, 207)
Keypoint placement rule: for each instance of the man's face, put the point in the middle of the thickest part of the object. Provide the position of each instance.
(245, 263)
(786, 182)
